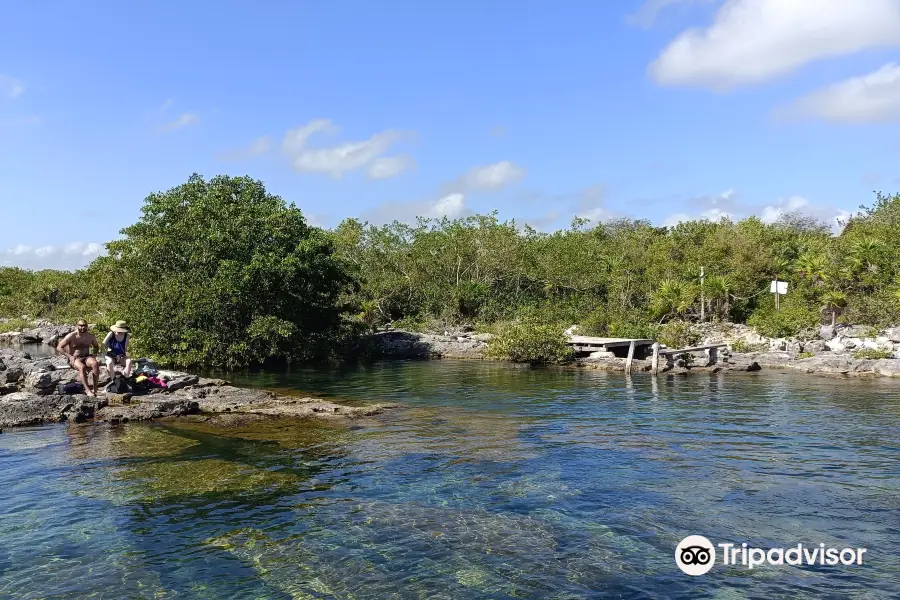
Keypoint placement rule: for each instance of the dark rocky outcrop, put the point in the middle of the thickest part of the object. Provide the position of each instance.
(412, 345)
(31, 398)
(44, 333)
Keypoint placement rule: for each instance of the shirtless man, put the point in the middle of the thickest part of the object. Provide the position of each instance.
(77, 347)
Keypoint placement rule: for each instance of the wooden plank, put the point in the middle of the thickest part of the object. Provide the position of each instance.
(628, 343)
(586, 339)
(630, 357)
(694, 349)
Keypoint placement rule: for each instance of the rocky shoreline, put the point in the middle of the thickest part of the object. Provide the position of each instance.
(28, 396)
(828, 351)
(28, 385)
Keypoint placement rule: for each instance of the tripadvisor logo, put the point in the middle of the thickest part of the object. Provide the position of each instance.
(696, 555)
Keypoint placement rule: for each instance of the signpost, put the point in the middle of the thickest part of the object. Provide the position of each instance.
(778, 288)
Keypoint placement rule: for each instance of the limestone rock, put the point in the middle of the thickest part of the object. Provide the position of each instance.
(44, 383)
(893, 334)
(23, 408)
(835, 345)
(854, 331)
(176, 380)
(826, 332)
(118, 399)
(12, 375)
(815, 347)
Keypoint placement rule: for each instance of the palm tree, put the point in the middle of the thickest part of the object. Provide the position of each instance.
(833, 300)
(715, 290)
(813, 266)
(672, 296)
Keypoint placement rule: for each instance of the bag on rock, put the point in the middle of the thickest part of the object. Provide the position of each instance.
(118, 385)
(70, 387)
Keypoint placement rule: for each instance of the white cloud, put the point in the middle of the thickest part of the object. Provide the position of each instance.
(673, 220)
(597, 215)
(336, 160)
(183, 120)
(11, 87)
(871, 98)
(729, 205)
(646, 15)
(259, 146)
(797, 204)
(67, 258)
(545, 223)
(166, 105)
(751, 41)
(390, 166)
(452, 206)
(713, 215)
(726, 201)
(493, 176)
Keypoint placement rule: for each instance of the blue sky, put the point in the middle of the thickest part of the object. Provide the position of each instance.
(658, 109)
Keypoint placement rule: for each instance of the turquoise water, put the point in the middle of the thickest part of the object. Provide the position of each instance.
(494, 482)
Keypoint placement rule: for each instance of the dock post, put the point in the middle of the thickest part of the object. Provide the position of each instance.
(655, 365)
(712, 356)
(630, 357)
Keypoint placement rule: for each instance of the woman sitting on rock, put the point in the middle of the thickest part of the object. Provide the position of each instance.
(116, 342)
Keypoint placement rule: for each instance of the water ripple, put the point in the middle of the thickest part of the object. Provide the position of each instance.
(494, 482)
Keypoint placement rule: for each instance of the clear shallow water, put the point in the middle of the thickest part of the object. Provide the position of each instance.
(495, 482)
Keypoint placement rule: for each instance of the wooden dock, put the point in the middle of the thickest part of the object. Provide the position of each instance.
(583, 343)
(619, 346)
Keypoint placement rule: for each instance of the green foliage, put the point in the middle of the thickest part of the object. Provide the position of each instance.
(678, 334)
(52, 295)
(803, 355)
(877, 308)
(14, 325)
(872, 353)
(223, 273)
(740, 346)
(792, 318)
(530, 342)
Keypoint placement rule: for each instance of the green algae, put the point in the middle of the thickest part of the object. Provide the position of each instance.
(286, 432)
(154, 481)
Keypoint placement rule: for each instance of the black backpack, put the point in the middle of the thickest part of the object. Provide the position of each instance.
(70, 387)
(118, 385)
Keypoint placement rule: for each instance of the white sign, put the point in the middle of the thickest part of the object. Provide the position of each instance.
(782, 287)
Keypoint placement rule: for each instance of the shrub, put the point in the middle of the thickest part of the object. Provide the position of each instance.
(222, 273)
(678, 334)
(872, 353)
(879, 309)
(805, 355)
(14, 325)
(741, 346)
(790, 320)
(530, 342)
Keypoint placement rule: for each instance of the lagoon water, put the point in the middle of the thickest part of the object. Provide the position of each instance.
(494, 482)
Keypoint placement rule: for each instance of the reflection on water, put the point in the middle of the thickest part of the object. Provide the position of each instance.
(493, 482)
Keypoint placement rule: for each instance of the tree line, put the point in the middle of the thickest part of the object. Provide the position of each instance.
(221, 272)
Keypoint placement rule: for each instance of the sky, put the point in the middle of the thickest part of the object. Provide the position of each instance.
(654, 109)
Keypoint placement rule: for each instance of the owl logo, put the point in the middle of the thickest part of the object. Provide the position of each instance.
(695, 555)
